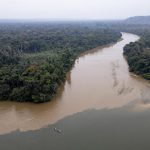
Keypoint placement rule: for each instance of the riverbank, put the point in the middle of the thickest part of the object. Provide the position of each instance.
(138, 55)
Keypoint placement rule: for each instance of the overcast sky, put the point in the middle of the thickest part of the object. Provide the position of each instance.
(73, 9)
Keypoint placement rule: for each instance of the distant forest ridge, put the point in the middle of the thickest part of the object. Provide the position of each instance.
(131, 20)
(138, 20)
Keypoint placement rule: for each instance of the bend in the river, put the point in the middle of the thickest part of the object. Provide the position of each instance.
(99, 79)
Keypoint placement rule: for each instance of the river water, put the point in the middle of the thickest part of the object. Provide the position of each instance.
(99, 79)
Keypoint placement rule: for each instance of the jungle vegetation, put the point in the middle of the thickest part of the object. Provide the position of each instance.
(35, 57)
(138, 53)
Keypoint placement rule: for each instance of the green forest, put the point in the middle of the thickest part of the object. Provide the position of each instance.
(35, 57)
(138, 53)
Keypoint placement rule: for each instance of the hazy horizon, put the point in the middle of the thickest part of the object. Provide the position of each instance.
(72, 10)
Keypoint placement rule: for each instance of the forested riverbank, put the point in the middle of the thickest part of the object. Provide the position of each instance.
(34, 58)
(138, 53)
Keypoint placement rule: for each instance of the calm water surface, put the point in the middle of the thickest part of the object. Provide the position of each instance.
(99, 79)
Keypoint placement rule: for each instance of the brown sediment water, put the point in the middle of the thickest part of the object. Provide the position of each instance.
(99, 79)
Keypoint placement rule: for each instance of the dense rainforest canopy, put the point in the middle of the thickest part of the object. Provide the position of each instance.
(35, 57)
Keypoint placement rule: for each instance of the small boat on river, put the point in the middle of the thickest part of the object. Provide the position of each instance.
(57, 130)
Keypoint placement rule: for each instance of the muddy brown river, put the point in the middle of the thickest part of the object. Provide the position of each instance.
(99, 79)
